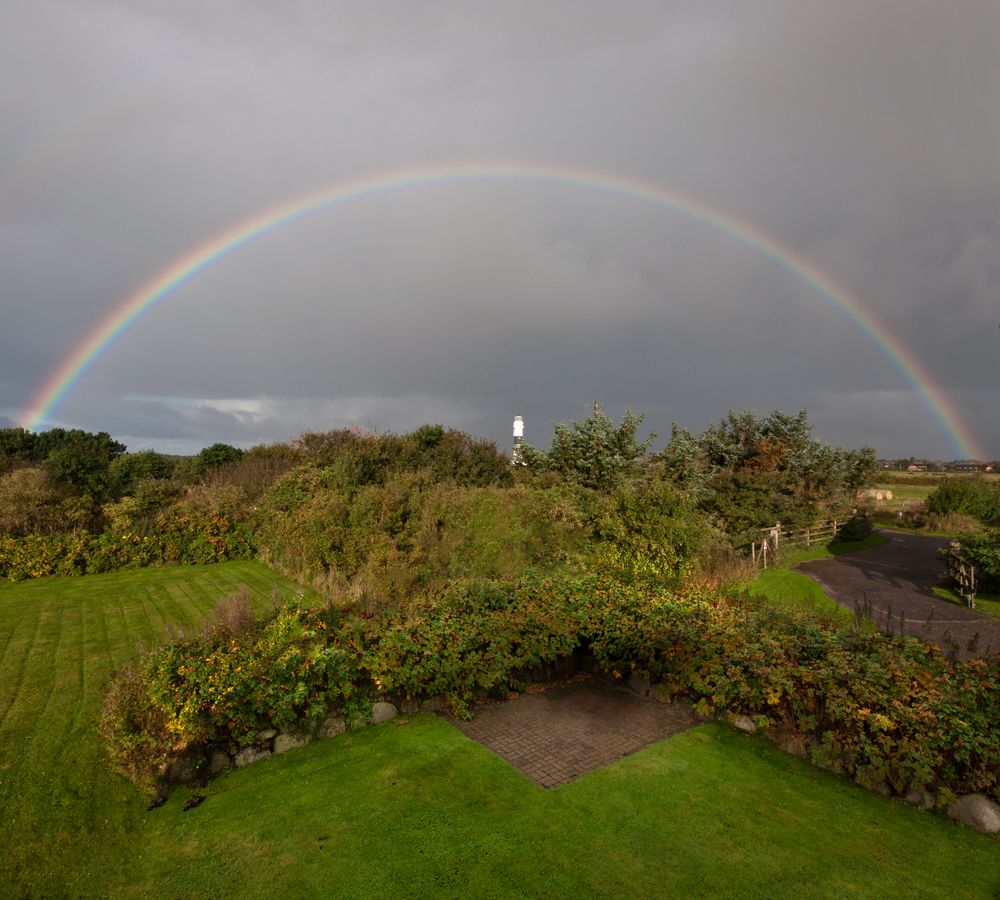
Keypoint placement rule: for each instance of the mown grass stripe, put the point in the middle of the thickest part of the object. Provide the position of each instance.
(22, 657)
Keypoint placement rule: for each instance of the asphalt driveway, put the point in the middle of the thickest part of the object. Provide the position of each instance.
(892, 584)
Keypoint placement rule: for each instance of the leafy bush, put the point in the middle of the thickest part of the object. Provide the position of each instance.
(594, 452)
(409, 534)
(648, 529)
(37, 556)
(975, 497)
(32, 502)
(357, 459)
(856, 528)
(879, 708)
(473, 639)
(884, 710)
(179, 536)
(133, 729)
(284, 673)
(750, 471)
(983, 552)
(137, 512)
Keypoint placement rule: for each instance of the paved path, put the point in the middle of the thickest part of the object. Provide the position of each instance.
(567, 729)
(892, 584)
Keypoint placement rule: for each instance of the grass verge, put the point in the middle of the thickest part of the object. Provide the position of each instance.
(785, 587)
(987, 604)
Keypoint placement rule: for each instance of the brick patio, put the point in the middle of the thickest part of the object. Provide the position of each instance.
(558, 732)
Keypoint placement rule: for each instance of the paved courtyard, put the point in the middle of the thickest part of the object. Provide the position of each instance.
(556, 733)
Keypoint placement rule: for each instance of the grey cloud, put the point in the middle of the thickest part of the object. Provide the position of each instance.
(865, 138)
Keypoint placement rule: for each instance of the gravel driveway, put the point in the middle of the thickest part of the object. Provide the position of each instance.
(892, 584)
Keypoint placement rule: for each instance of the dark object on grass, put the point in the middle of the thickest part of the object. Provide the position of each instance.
(156, 803)
(193, 801)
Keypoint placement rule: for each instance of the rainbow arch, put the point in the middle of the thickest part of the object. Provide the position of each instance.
(64, 378)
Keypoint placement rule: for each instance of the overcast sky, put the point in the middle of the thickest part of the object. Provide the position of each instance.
(865, 135)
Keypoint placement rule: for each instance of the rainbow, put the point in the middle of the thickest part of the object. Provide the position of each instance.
(171, 279)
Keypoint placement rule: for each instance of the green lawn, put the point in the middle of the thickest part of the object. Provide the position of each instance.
(783, 586)
(69, 825)
(414, 809)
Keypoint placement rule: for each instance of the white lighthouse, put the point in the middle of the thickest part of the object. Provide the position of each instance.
(515, 458)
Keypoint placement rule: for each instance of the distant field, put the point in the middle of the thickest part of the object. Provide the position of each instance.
(414, 809)
(907, 492)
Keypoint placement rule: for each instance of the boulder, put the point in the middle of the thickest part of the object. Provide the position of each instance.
(333, 726)
(219, 762)
(249, 755)
(920, 798)
(285, 742)
(790, 742)
(382, 711)
(266, 735)
(978, 812)
(743, 722)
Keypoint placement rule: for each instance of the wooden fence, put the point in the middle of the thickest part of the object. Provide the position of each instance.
(962, 573)
(776, 538)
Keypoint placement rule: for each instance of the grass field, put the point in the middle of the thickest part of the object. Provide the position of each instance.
(414, 809)
(906, 493)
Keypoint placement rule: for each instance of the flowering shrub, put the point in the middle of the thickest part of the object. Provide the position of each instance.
(39, 555)
(284, 673)
(181, 537)
(225, 685)
(473, 639)
(881, 709)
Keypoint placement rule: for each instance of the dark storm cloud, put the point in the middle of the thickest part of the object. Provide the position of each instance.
(863, 136)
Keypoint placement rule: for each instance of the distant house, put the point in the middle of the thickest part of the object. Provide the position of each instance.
(917, 467)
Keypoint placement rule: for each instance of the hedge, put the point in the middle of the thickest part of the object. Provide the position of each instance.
(889, 712)
(182, 539)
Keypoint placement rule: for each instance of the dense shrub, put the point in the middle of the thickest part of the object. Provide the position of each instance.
(884, 710)
(131, 468)
(37, 556)
(133, 729)
(237, 678)
(593, 452)
(473, 639)
(856, 528)
(356, 458)
(33, 502)
(283, 674)
(879, 708)
(975, 497)
(983, 552)
(750, 471)
(411, 533)
(179, 536)
(648, 529)
(137, 512)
